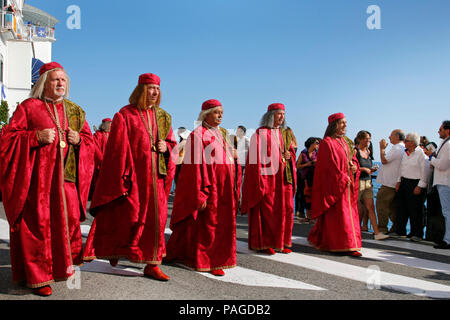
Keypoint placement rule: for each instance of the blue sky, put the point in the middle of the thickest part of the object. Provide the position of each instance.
(317, 57)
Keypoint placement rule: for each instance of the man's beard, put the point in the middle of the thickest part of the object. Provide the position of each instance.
(58, 93)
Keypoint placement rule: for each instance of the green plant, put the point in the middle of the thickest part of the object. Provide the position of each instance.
(4, 112)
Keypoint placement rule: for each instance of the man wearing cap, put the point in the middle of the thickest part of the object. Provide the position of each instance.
(335, 192)
(204, 211)
(100, 139)
(130, 198)
(45, 171)
(269, 184)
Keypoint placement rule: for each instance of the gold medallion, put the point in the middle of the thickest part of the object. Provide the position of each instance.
(62, 144)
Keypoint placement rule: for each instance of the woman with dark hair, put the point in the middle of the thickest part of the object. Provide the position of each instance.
(363, 212)
(306, 164)
(365, 195)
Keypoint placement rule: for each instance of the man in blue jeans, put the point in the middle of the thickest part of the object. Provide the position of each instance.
(440, 164)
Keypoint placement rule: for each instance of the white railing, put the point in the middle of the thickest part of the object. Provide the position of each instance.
(9, 21)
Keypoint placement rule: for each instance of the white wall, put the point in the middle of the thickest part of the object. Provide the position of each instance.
(18, 72)
(43, 50)
(19, 65)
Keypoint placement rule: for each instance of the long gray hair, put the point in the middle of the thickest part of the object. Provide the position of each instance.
(267, 120)
(37, 91)
(202, 115)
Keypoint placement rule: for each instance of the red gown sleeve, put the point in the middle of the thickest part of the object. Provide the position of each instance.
(17, 153)
(99, 148)
(85, 166)
(116, 174)
(252, 188)
(171, 165)
(193, 187)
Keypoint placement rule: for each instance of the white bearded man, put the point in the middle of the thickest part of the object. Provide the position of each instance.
(205, 205)
(45, 171)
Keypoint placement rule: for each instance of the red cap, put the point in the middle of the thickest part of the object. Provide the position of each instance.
(49, 66)
(335, 116)
(276, 106)
(149, 78)
(107, 120)
(212, 103)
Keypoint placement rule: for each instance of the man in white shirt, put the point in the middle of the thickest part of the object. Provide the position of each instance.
(441, 178)
(413, 179)
(242, 145)
(387, 177)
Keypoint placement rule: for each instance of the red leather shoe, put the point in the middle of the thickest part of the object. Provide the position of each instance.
(355, 254)
(43, 291)
(218, 272)
(269, 251)
(113, 262)
(155, 272)
(286, 250)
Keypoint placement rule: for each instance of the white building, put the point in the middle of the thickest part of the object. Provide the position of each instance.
(26, 37)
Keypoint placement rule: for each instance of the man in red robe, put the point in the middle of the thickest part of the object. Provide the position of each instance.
(335, 192)
(269, 184)
(45, 170)
(100, 139)
(130, 198)
(204, 212)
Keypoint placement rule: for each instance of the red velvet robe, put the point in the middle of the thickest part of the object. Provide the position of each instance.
(130, 197)
(266, 195)
(205, 240)
(1, 132)
(100, 139)
(334, 202)
(42, 248)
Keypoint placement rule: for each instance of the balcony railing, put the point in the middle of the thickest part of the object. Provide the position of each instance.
(24, 31)
(39, 32)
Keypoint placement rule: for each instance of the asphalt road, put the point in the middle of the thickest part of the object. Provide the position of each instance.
(418, 272)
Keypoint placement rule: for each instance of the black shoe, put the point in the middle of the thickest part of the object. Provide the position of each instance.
(396, 235)
(442, 245)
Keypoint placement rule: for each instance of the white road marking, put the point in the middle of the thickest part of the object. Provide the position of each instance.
(366, 275)
(4, 230)
(408, 244)
(253, 278)
(85, 230)
(103, 266)
(384, 255)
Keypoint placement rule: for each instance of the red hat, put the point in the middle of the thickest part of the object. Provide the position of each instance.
(276, 106)
(149, 78)
(49, 66)
(335, 116)
(212, 103)
(107, 120)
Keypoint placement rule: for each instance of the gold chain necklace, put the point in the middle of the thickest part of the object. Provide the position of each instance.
(277, 133)
(222, 141)
(55, 119)
(147, 126)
